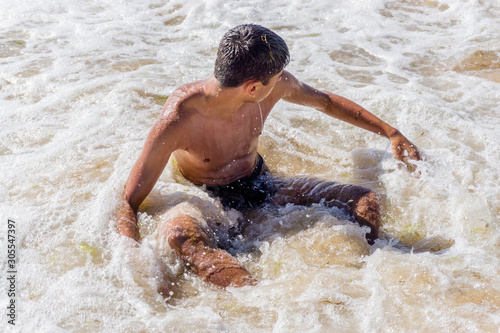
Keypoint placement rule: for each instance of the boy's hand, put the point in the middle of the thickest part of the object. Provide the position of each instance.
(126, 221)
(403, 149)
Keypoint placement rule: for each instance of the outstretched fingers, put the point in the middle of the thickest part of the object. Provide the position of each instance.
(405, 151)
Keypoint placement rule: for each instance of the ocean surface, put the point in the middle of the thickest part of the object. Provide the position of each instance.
(82, 82)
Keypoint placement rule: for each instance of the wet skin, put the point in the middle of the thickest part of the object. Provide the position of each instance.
(213, 134)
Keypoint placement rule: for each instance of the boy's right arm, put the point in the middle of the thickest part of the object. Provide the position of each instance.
(159, 145)
(126, 220)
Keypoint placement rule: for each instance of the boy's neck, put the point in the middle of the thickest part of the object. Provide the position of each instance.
(224, 102)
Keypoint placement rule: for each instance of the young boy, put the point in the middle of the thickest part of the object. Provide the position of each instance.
(212, 128)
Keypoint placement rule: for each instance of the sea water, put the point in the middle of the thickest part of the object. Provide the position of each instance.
(82, 82)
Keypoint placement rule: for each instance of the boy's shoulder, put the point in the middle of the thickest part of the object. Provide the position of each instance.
(184, 98)
(187, 92)
(287, 83)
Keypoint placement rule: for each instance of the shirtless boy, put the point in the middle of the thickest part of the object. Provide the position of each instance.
(212, 127)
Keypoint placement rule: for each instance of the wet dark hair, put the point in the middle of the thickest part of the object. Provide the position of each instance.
(250, 52)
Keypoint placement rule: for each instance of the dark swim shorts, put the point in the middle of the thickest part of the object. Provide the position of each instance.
(247, 192)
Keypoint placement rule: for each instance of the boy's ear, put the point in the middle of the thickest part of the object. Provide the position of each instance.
(250, 87)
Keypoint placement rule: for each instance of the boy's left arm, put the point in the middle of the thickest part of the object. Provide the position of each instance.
(346, 110)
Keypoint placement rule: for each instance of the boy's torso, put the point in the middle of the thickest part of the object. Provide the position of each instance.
(219, 150)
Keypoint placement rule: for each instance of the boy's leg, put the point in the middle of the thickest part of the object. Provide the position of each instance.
(193, 245)
(358, 201)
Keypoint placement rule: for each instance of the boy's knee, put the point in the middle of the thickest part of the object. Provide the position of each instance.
(367, 212)
(368, 201)
(367, 206)
(176, 238)
(183, 230)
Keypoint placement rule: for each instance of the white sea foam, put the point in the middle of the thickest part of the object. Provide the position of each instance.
(81, 83)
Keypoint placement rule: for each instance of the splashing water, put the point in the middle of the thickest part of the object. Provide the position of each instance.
(81, 83)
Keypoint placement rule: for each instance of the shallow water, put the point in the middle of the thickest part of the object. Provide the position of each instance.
(81, 83)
